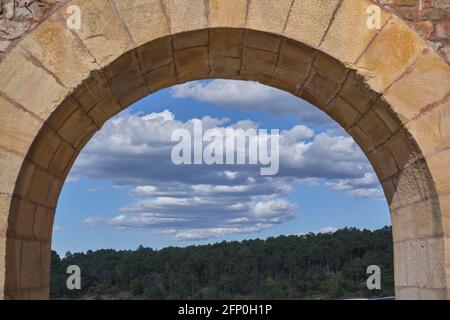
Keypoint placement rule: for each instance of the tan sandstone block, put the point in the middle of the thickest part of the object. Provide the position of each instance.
(288, 80)
(348, 34)
(76, 123)
(295, 56)
(226, 42)
(309, 20)
(92, 91)
(421, 219)
(45, 267)
(432, 129)
(161, 78)
(57, 48)
(129, 87)
(17, 127)
(144, 19)
(387, 115)
(44, 147)
(30, 266)
(156, 54)
(104, 110)
(40, 187)
(357, 93)
(361, 138)
(24, 180)
(403, 148)
(344, 114)
(383, 162)
(43, 221)
(262, 41)
(439, 164)
(62, 160)
(2, 265)
(227, 13)
(192, 64)
(5, 203)
(186, 40)
(258, 65)
(395, 48)
(268, 15)
(13, 252)
(225, 52)
(101, 30)
(21, 219)
(19, 77)
(400, 262)
(435, 259)
(372, 125)
(418, 269)
(10, 164)
(427, 83)
(185, 15)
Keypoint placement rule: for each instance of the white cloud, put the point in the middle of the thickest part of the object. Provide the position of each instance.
(250, 96)
(57, 228)
(328, 230)
(93, 222)
(200, 202)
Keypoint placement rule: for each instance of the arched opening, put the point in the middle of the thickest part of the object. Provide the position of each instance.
(379, 85)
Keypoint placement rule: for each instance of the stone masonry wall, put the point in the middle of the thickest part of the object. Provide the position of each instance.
(431, 18)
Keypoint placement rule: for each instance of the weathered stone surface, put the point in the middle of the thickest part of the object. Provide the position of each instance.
(144, 19)
(17, 127)
(10, 164)
(348, 34)
(267, 15)
(229, 13)
(185, 15)
(427, 82)
(309, 20)
(19, 77)
(101, 30)
(392, 51)
(56, 47)
(432, 129)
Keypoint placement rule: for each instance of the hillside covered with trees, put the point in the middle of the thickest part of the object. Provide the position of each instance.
(313, 266)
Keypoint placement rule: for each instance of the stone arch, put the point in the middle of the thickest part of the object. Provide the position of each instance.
(385, 87)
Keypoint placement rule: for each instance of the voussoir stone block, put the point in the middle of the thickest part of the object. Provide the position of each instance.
(10, 164)
(309, 20)
(432, 129)
(20, 77)
(17, 127)
(186, 15)
(426, 84)
(144, 19)
(101, 30)
(227, 13)
(30, 258)
(348, 34)
(391, 52)
(57, 48)
(268, 15)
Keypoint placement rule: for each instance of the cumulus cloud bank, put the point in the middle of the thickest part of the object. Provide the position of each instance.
(202, 202)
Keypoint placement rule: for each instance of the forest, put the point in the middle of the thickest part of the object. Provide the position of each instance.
(311, 266)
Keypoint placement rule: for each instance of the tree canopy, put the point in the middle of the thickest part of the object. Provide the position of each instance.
(312, 266)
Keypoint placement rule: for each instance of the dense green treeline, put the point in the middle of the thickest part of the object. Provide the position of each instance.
(313, 266)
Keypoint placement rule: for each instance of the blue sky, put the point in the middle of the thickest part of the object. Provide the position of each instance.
(124, 191)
